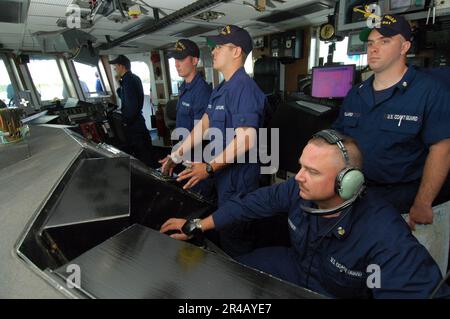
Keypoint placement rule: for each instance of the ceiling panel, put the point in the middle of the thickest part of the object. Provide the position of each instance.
(12, 28)
(169, 4)
(46, 10)
(35, 20)
(234, 13)
(64, 3)
(278, 6)
(44, 28)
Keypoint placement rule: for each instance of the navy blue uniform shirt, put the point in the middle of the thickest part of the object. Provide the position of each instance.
(131, 94)
(235, 103)
(394, 135)
(334, 260)
(192, 102)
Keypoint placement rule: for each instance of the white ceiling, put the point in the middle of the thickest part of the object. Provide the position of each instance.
(43, 14)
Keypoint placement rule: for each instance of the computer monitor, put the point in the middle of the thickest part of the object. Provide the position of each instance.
(332, 81)
(355, 45)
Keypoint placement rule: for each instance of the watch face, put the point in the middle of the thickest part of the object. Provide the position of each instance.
(209, 169)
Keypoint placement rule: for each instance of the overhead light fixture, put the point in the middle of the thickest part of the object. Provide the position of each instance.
(209, 15)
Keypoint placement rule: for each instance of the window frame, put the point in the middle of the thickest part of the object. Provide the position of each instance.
(61, 73)
(99, 74)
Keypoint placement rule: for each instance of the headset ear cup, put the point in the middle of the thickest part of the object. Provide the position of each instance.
(349, 182)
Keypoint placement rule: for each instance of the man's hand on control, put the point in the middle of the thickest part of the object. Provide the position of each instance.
(196, 173)
(167, 165)
(174, 224)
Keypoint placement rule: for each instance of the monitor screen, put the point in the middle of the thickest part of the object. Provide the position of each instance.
(399, 4)
(332, 82)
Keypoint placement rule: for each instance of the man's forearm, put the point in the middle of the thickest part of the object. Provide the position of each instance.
(244, 140)
(435, 172)
(207, 223)
(195, 137)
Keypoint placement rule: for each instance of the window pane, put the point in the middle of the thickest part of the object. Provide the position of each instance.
(6, 88)
(47, 79)
(89, 78)
(340, 54)
(174, 77)
(248, 66)
(143, 72)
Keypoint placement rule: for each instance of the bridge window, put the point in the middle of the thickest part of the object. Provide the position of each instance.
(143, 72)
(6, 88)
(175, 79)
(340, 54)
(47, 78)
(249, 63)
(90, 79)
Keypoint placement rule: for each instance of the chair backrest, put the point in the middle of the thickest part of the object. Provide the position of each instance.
(170, 114)
(266, 74)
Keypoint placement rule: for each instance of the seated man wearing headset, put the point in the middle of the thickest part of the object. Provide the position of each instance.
(344, 243)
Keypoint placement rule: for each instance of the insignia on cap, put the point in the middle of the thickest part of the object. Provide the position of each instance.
(226, 30)
(179, 46)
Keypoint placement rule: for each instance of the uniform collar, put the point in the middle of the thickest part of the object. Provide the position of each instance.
(239, 73)
(407, 78)
(189, 86)
(125, 74)
(341, 230)
(403, 84)
(365, 89)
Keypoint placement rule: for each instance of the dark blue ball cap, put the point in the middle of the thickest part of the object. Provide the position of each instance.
(232, 34)
(184, 48)
(390, 25)
(123, 60)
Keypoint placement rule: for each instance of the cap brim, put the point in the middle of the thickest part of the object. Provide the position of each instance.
(112, 62)
(386, 32)
(177, 55)
(213, 41)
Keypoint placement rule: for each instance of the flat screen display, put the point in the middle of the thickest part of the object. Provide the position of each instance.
(332, 82)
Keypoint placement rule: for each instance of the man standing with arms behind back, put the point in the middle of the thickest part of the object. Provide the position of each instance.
(400, 118)
(131, 94)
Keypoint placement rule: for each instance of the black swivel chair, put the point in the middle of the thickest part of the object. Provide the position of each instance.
(170, 114)
(266, 74)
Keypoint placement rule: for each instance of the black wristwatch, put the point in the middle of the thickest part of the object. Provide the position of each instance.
(209, 169)
(192, 227)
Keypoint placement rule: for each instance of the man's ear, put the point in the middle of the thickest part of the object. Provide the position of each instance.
(406, 45)
(238, 53)
(195, 61)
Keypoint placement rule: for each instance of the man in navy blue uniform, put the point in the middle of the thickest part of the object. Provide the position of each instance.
(237, 104)
(400, 118)
(131, 95)
(344, 244)
(194, 93)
